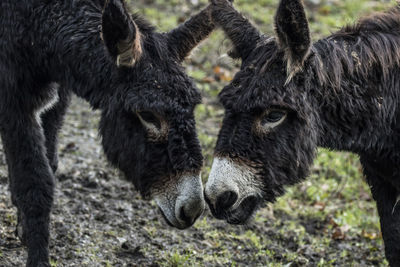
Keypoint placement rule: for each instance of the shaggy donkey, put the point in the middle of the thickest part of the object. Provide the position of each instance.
(290, 96)
(120, 65)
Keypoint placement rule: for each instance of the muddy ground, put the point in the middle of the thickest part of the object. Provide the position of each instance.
(99, 220)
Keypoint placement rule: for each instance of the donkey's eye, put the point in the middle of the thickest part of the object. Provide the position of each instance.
(148, 117)
(273, 118)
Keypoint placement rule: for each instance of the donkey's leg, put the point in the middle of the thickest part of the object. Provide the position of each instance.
(31, 182)
(52, 121)
(386, 197)
(389, 212)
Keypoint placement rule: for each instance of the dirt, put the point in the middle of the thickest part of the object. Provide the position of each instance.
(99, 220)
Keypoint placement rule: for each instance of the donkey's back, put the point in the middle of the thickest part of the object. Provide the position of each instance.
(34, 36)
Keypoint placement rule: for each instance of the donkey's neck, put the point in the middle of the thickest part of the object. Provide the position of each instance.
(357, 77)
(82, 63)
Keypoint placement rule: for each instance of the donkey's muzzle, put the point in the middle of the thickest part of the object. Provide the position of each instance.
(223, 204)
(182, 203)
(232, 191)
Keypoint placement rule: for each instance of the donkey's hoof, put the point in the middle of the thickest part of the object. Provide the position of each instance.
(54, 163)
(54, 166)
(19, 232)
(40, 264)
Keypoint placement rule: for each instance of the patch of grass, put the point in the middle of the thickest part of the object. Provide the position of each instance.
(53, 262)
(176, 259)
(299, 228)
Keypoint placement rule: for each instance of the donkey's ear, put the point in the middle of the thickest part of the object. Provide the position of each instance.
(120, 34)
(243, 34)
(183, 39)
(293, 33)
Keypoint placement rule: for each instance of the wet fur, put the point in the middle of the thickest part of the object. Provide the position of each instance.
(47, 41)
(345, 97)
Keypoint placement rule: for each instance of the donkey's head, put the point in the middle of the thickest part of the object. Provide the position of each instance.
(148, 127)
(267, 139)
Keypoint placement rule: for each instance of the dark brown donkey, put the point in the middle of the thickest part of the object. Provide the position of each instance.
(120, 65)
(292, 95)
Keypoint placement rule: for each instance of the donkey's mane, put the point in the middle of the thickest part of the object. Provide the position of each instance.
(373, 42)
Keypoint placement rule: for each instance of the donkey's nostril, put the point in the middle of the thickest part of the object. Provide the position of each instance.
(190, 211)
(226, 200)
(183, 216)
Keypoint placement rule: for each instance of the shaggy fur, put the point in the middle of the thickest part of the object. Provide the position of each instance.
(52, 48)
(344, 96)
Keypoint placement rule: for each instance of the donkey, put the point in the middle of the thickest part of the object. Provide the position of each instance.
(291, 96)
(120, 65)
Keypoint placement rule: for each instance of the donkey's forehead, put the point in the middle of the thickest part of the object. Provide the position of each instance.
(165, 99)
(259, 91)
(261, 82)
(161, 84)
(162, 78)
